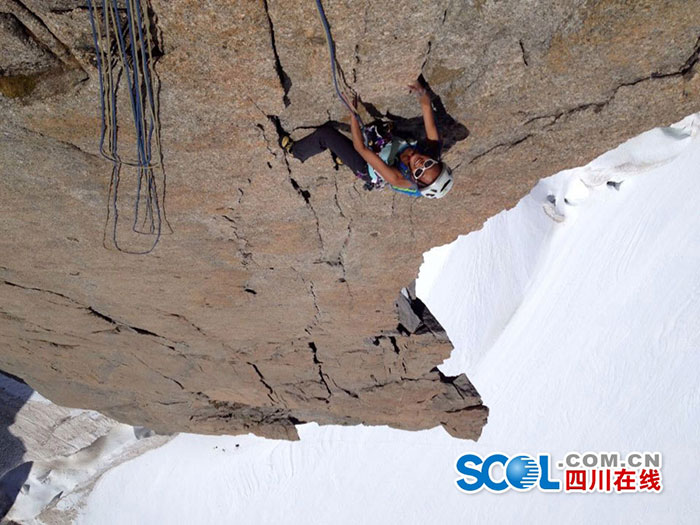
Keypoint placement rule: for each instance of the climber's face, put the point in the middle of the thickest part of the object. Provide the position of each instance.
(415, 160)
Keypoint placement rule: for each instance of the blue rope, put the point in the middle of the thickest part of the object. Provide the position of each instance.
(144, 157)
(331, 49)
(135, 93)
(99, 71)
(113, 96)
(149, 90)
(152, 189)
(143, 136)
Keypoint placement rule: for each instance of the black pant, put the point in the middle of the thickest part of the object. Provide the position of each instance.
(327, 137)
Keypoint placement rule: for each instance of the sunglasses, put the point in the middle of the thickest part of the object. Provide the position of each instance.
(426, 166)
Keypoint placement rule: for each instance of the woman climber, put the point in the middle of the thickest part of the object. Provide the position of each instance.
(410, 168)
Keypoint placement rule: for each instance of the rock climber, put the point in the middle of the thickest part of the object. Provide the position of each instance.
(411, 168)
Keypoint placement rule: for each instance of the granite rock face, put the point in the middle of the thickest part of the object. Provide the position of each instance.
(272, 301)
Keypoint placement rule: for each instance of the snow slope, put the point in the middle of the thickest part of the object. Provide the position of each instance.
(51, 456)
(577, 316)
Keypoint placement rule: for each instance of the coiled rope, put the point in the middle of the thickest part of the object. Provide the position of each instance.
(125, 47)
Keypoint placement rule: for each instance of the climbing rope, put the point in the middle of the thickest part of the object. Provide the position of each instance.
(124, 48)
(334, 63)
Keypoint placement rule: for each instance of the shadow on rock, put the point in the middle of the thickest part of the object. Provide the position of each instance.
(11, 484)
(451, 131)
(14, 393)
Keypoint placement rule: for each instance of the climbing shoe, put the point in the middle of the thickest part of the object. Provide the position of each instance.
(286, 143)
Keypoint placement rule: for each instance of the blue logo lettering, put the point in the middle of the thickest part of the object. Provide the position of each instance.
(522, 473)
(462, 468)
(499, 486)
(545, 482)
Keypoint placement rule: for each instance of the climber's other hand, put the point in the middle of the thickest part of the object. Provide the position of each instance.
(415, 88)
(352, 104)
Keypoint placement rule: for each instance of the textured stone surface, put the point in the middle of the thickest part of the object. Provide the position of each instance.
(272, 302)
(21, 52)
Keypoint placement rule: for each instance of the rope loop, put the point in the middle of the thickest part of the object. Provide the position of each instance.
(124, 49)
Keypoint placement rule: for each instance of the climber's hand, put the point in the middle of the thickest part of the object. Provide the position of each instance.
(418, 90)
(353, 104)
(415, 88)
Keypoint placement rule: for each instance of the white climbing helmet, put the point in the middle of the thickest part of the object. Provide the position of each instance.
(441, 186)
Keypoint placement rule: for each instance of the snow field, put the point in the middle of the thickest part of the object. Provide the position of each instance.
(576, 314)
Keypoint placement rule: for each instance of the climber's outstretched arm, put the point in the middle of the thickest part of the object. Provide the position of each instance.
(431, 131)
(388, 173)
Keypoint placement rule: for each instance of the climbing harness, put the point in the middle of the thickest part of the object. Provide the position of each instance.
(377, 136)
(124, 48)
